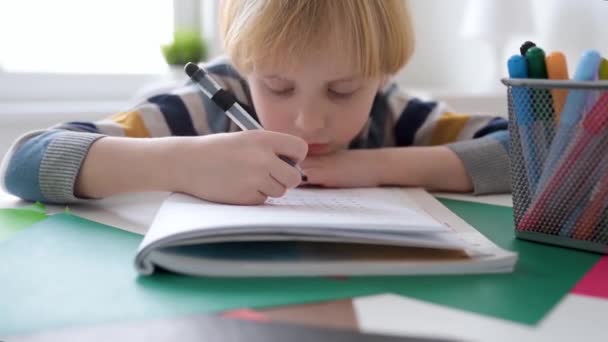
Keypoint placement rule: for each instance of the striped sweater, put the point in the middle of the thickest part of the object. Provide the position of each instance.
(43, 165)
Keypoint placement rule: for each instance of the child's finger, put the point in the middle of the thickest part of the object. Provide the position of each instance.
(291, 147)
(285, 174)
(253, 199)
(272, 188)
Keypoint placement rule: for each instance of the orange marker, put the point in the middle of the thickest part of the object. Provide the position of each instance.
(557, 69)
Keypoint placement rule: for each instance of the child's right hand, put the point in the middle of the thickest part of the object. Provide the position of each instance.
(236, 168)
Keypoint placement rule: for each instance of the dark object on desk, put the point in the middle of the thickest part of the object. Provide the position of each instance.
(208, 329)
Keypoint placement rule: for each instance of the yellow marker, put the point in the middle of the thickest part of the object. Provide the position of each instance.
(557, 69)
(604, 69)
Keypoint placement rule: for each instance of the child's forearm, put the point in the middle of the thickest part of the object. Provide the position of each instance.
(117, 165)
(236, 168)
(433, 167)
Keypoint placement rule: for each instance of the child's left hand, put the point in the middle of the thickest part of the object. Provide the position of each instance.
(344, 169)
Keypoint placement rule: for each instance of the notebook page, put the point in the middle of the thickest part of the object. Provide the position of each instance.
(373, 209)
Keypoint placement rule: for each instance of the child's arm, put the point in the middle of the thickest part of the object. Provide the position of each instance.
(81, 160)
(431, 167)
(428, 146)
(466, 152)
(239, 168)
(460, 152)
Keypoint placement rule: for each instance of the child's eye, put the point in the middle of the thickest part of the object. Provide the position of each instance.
(282, 92)
(340, 95)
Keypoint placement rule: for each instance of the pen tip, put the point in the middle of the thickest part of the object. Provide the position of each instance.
(304, 178)
(191, 69)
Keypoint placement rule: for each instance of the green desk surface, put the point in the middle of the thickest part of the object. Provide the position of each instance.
(13, 220)
(66, 271)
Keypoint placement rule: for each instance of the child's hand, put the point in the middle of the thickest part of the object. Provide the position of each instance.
(344, 169)
(237, 168)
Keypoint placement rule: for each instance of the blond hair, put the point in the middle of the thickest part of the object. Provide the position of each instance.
(377, 33)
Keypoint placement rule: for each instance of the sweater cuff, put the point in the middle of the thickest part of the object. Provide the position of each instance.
(486, 162)
(61, 164)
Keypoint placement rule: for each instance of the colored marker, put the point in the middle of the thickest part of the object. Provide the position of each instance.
(589, 219)
(595, 125)
(542, 103)
(541, 97)
(526, 122)
(522, 115)
(536, 62)
(557, 69)
(554, 189)
(590, 216)
(586, 70)
(586, 154)
(603, 73)
(601, 234)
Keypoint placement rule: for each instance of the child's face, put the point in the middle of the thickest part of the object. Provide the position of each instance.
(322, 100)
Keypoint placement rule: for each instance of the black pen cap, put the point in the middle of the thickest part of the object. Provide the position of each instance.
(191, 69)
(525, 47)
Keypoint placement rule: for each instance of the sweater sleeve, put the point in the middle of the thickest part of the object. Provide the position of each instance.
(480, 140)
(44, 165)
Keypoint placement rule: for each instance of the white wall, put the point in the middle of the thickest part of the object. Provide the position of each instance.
(439, 60)
(443, 59)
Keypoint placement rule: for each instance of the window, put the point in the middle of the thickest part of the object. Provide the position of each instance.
(72, 36)
(73, 50)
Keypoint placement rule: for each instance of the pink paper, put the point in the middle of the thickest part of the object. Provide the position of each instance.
(595, 282)
(247, 315)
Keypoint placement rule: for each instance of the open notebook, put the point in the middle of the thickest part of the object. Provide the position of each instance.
(308, 232)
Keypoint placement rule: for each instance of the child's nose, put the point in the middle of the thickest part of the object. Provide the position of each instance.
(311, 119)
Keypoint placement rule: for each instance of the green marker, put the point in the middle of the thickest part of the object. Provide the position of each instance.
(542, 101)
(536, 63)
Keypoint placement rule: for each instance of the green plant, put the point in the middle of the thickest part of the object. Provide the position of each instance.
(187, 46)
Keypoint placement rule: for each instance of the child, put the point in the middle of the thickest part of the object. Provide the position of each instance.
(316, 74)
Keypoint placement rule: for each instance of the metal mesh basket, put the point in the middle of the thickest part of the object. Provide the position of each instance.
(559, 161)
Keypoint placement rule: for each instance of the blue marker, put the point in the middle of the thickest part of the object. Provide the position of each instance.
(526, 122)
(587, 70)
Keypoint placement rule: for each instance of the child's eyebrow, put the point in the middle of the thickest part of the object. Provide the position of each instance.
(348, 79)
(276, 77)
(345, 79)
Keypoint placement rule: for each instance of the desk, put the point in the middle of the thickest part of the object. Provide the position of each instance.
(576, 316)
(133, 212)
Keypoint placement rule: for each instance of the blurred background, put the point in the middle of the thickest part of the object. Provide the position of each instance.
(66, 60)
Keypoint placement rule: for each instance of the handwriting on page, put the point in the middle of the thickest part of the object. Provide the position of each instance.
(311, 203)
(328, 202)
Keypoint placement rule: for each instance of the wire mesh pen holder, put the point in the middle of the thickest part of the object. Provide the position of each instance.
(559, 161)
